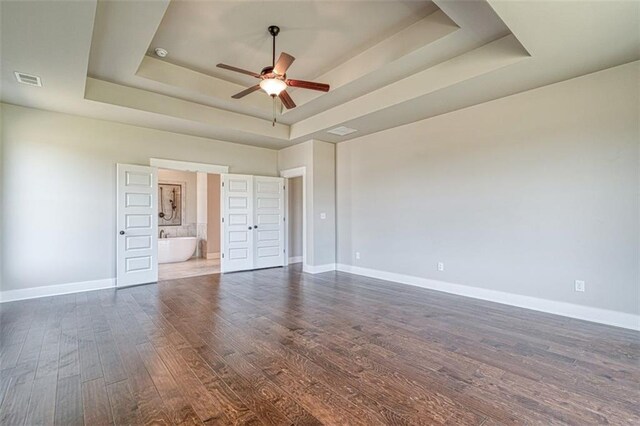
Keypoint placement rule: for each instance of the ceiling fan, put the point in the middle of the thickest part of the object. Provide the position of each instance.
(273, 79)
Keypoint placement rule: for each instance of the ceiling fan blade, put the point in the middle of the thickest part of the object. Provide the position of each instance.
(286, 100)
(308, 85)
(284, 62)
(240, 70)
(245, 92)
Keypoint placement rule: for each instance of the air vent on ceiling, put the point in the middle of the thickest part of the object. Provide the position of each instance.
(341, 131)
(31, 80)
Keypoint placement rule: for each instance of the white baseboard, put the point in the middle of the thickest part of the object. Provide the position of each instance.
(212, 256)
(587, 313)
(318, 269)
(55, 290)
(296, 259)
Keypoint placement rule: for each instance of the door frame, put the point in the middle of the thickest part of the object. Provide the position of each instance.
(190, 166)
(289, 174)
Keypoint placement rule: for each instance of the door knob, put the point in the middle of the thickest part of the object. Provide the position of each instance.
(256, 227)
(121, 232)
(250, 228)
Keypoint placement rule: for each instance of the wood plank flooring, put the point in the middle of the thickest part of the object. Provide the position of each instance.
(282, 347)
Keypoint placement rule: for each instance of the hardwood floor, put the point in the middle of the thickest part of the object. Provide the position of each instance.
(282, 347)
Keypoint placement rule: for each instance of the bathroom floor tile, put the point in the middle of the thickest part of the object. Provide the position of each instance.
(190, 268)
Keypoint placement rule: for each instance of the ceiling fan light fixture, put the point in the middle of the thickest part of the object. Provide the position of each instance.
(273, 86)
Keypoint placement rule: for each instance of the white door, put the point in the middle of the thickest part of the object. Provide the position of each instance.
(268, 225)
(137, 225)
(237, 223)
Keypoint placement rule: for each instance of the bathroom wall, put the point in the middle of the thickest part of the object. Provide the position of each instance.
(59, 186)
(213, 215)
(189, 202)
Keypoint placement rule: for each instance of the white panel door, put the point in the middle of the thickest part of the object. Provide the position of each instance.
(137, 225)
(268, 222)
(237, 225)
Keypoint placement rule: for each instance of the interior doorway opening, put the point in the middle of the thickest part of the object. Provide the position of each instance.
(294, 219)
(188, 223)
(296, 199)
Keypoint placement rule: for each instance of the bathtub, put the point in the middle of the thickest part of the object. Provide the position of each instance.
(176, 249)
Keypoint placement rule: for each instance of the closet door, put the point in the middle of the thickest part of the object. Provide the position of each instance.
(237, 226)
(268, 222)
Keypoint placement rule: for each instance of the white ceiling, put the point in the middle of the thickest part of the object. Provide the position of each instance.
(405, 62)
(321, 35)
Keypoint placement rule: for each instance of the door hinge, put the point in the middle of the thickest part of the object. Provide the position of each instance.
(223, 219)
(284, 219)
(223, 255)
(222, 183)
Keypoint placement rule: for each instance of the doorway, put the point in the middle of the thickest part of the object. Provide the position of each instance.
(295, 219)
(158, 237)
(296, 204)
(188, 224)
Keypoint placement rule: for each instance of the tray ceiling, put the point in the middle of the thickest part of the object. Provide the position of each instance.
(320, 35)
(388, 62)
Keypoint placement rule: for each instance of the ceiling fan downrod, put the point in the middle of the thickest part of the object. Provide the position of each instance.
(274, 30)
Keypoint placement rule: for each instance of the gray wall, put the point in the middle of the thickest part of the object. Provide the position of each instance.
(324, 202)
(59, 176)
(2, 184)
(318, 158)
(523, 195)
(294, 217)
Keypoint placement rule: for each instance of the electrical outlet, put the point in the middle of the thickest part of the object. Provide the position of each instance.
(357, 255)
(580, 285)
(440, 266)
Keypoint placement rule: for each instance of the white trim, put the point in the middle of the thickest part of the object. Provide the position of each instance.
(212, 256)
(288, 174)
(295, 172)
(587, 313)
(55, 290)
(318, 269)
(295, 259)
(188, 166)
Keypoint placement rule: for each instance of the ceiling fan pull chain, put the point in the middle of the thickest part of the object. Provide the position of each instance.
(273, 124)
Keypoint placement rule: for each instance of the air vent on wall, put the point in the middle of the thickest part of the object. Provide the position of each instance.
(341, 131)
(31, 80)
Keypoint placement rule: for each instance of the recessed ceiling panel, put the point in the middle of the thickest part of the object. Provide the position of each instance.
(320, 34)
